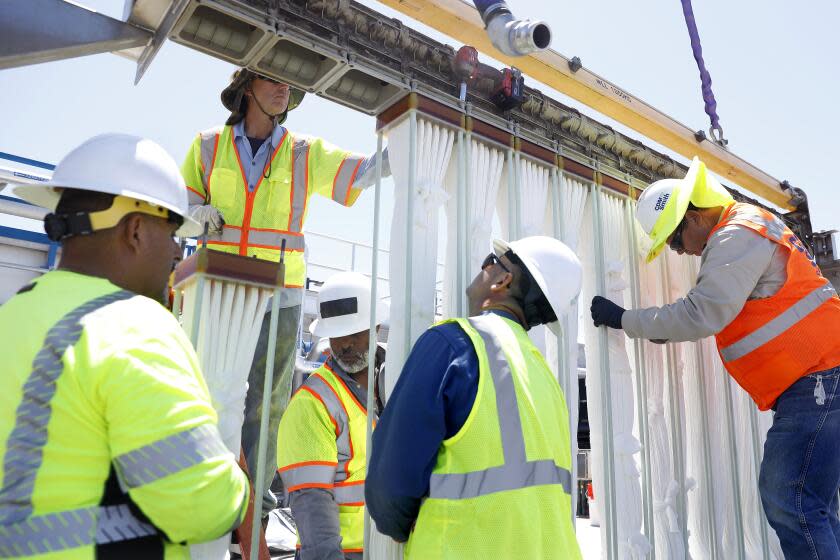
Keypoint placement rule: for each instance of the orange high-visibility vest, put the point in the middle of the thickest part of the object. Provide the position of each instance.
(777, 340)
(257, 222)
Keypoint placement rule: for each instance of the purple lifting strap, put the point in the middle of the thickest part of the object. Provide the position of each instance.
(705, 77)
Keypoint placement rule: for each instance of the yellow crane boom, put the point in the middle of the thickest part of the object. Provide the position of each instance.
(462, 22)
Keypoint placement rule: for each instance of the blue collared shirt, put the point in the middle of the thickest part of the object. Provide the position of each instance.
(430, 403)
(254, 164)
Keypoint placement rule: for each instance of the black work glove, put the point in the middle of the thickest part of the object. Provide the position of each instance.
(605, 312)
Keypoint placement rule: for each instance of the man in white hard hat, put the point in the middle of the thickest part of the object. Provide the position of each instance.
(776, 321)
(251, 181)
(322, 438)
(471, 458)
(109, 440)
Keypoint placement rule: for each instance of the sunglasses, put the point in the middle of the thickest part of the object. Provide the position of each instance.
(271, 80)
(492, 259)
(676, 243)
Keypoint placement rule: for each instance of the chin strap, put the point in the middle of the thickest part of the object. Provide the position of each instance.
(64, 225)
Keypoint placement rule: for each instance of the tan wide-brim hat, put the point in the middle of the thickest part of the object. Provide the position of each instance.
(233, 96)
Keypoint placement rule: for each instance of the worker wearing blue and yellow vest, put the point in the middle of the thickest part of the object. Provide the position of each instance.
(250, 181)
(109, 442)
(776, 322)
(322, 437)
(471, 458)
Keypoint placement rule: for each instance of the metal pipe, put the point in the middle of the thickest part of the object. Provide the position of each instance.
(511, 36)
(641, 385)
(176, 303)
(21, 209)
(199, 305)
(700, 378)
(511, 179)
(517, 196)
(461, 241)
(756, 449)
(564, 371)
(733, 464)
(409, 227)
(608, 492)
(16, 266)
(465, 308)
(262, 446)
(675, 417)
(374, 266)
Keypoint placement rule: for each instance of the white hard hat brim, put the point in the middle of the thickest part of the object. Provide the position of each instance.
(190, 228)
(336, 327)
(47, 195)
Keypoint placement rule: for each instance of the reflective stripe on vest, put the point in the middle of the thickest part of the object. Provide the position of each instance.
(168, 455)
(350, 493)
(25, 446)
(345, 177)
(207, 152)
(312, 474)
(300, 184)
(232, 235)
(323, 391)
(517, 471)
(208, 145)
(780, 324)
(62, 530)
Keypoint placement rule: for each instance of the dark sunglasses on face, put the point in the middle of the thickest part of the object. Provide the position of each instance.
(676, 243)
(492, 259)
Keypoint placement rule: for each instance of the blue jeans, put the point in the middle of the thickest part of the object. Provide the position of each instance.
(800, 473)
(288, 320)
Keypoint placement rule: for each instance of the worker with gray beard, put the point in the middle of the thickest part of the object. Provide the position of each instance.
(321, 445)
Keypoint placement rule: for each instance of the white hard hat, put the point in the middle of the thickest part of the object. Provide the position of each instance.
(663, 204)
(344, 306)
(554, 267)
(122, 165)
(653, 201)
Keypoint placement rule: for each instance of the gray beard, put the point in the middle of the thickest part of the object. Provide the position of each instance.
(356, 365)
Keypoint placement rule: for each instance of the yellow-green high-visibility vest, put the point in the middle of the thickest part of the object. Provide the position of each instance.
(321, 443)
(257, 222)
(501, 486)
(108, 439)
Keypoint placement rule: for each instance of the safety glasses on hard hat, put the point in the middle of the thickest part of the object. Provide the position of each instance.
(492, 259)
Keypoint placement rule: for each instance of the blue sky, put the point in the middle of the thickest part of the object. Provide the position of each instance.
(771, 62)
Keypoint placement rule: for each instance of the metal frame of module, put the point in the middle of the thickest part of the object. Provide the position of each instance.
(603, 182)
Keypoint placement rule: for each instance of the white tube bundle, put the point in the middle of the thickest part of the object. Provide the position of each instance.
(225, 298)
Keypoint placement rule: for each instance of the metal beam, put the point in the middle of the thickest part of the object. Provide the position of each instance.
(173, 13)
(462, 22)
(36, 31)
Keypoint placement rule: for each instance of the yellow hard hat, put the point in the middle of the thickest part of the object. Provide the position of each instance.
(663, 204)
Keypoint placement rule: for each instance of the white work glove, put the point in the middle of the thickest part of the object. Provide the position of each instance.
(368, 176)
(206, 214)
(386, 163)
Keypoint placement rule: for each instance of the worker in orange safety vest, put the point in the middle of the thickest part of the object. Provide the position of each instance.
(776, 322)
